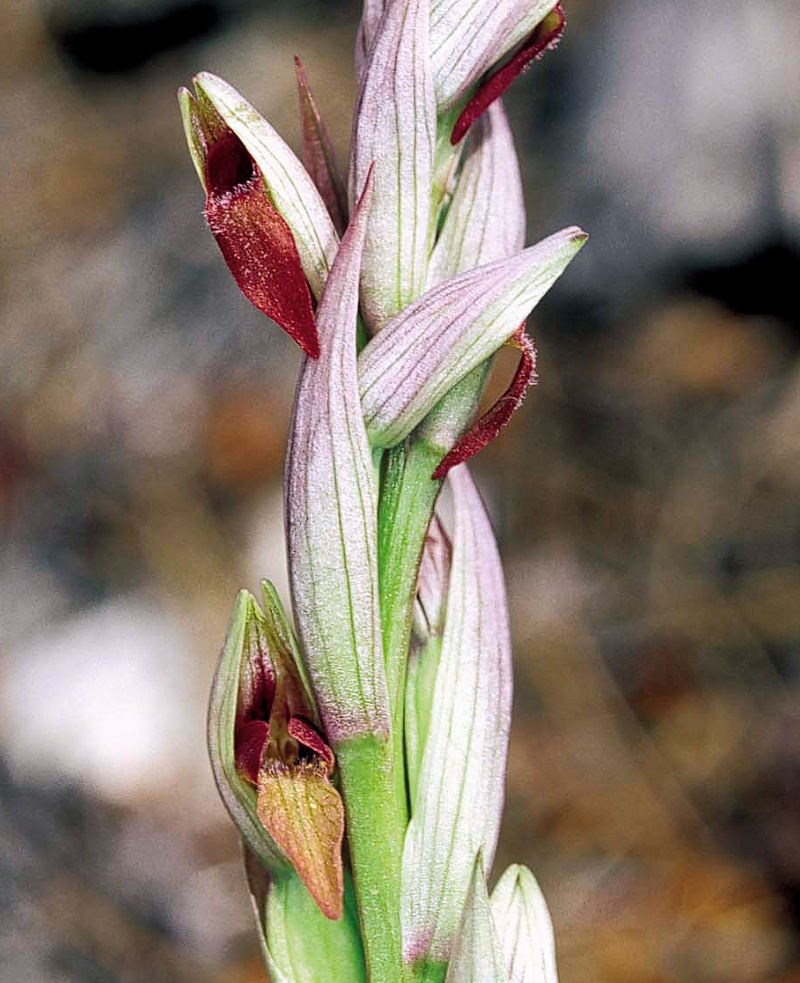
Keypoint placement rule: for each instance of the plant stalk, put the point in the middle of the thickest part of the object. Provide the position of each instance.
(375, 838)
(407, 502)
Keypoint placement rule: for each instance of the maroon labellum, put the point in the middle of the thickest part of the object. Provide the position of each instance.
(546, 36)
(488, 426)
(256, 242)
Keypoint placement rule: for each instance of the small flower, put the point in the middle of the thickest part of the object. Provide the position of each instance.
(467, 43)
(270, 762)
(253, 237)
(267, 216)
(468, 39)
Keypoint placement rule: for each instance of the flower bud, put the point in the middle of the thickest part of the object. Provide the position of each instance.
(524, 928)
(430, 606)
(432, 582)
(486, 217)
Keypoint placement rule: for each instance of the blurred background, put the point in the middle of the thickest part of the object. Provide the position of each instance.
(645, 498)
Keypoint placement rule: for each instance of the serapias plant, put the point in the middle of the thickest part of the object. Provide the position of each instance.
(363, 758)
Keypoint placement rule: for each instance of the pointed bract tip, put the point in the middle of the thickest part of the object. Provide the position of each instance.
(544, 38)
(369, 183)
(524, 927)
(318, 155)
(193, 131)
(203, 79)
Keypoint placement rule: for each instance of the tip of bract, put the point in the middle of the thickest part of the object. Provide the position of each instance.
(545, 37)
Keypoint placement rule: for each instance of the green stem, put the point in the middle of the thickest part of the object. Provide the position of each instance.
(407, 502)
(375, 838)
(426, 971)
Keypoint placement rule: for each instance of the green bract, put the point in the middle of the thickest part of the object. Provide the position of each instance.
(298, 943)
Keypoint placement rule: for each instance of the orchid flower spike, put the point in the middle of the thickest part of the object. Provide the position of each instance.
(360, 745)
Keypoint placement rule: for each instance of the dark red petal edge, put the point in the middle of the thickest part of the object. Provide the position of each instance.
(256, 242)
(305, 733)
(546, 35)
(249, 743)
(484, 430)
(318, 152)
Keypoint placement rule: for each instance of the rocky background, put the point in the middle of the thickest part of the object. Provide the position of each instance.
(645, 498)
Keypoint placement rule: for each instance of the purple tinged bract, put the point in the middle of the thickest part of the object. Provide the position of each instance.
(331, 507)
(469, 37)
(456, 812)
(395, 129)
(433, 343)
